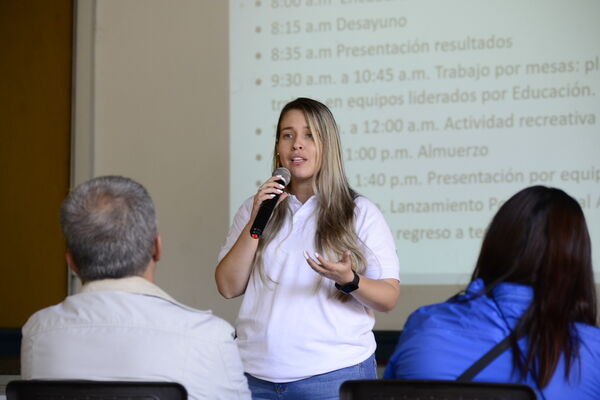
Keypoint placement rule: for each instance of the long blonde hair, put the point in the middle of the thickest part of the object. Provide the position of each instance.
(336, 218)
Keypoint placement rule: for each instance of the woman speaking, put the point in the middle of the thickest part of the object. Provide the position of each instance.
(325, 261)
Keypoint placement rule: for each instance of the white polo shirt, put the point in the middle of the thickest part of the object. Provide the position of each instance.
(295, 328)
(129, 329)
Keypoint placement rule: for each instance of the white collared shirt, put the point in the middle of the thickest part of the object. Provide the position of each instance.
(129, 329)
(295, 328)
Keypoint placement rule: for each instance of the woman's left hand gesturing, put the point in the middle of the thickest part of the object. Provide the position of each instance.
(339, 272)
(377, 294)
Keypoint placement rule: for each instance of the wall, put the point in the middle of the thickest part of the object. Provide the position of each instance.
(35, 119)
(152, 105)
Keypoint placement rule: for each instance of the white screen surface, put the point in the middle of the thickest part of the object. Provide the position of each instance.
(446, 108)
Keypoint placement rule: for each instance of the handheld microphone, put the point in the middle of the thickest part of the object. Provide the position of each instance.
(267, 206)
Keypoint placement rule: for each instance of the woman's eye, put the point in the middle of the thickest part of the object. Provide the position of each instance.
(309, 135)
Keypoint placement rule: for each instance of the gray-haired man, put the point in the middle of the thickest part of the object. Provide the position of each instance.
(122, 326)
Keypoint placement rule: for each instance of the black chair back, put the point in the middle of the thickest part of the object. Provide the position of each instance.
(400, 389)
(97, 390)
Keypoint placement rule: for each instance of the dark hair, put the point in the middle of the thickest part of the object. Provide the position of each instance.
(539, 237)
(110, 227)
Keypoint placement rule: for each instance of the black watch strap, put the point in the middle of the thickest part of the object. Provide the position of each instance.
(350, 286)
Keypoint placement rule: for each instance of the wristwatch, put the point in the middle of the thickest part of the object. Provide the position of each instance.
(350, 286)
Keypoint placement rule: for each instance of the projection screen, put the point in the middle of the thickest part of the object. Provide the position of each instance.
(446, 108)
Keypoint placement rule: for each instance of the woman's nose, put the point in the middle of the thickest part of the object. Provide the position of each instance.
(297, 145)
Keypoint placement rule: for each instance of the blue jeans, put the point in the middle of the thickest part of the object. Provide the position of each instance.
(319, 387)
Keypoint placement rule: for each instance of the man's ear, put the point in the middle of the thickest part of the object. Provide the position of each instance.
(71, 263)
(157, 248)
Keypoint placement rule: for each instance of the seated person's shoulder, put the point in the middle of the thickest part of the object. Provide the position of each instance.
(44, 319)
(462, 317)
(216, 324)
(590, 337)
(206, 321)
(86, 310)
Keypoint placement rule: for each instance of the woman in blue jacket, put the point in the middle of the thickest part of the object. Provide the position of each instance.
(533, 283)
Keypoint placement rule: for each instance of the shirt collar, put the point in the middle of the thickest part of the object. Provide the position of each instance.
(512, 298)
(503, 289)
(130, 284)
(295, 203)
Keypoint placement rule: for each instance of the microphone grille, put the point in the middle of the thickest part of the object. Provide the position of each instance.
(285, 174)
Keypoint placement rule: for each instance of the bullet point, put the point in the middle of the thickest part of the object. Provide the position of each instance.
(258, 56)
(258, 157)
(258, 82)
(258, 131)
(257, 30)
